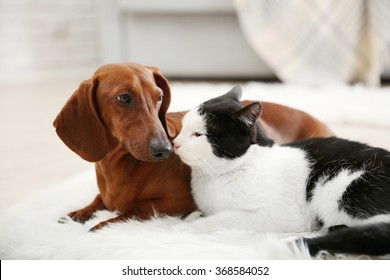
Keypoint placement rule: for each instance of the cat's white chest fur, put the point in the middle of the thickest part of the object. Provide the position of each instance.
(264, 180)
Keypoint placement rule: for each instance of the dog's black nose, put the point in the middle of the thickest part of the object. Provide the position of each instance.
(160, 149)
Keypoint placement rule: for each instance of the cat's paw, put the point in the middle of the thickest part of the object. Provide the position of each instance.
(193, 216)
(298, 243)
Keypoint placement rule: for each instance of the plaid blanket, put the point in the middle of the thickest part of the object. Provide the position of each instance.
(319, 42)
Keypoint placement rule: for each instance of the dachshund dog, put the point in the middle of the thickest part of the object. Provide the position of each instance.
(118, 119)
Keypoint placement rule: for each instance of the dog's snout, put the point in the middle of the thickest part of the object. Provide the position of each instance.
(160, 149)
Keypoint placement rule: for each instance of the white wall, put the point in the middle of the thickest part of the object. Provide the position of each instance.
(43, 39)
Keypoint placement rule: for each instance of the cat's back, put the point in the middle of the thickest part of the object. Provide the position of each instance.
(333, 151)
(331, 156)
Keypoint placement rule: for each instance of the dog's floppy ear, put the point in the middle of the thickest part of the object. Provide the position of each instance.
(79, 126)
(162, 83)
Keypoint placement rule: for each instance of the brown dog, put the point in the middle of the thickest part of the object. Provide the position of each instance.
(119, 120)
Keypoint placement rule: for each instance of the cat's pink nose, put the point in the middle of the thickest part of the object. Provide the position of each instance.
(176, 146)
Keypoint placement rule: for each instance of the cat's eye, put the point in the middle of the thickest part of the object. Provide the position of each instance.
(197, 134)
(124, 98)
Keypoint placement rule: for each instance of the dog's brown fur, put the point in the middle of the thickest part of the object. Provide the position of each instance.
(122, 139)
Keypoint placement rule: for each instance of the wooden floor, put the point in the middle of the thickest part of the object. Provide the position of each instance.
(32, 154)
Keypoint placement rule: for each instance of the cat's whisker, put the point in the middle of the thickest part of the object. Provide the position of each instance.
(206, 166)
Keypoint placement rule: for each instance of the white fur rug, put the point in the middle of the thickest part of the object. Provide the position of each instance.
(29, 229)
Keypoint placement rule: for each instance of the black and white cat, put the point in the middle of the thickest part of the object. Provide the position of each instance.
(244, 179)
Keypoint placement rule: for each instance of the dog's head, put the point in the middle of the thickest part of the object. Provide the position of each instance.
(126, 102)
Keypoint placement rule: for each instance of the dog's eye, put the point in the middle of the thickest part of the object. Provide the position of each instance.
(197, 134)
(124, 98)
(160, 98)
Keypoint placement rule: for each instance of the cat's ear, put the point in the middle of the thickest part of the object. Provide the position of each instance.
(235, 93)
(250, 114)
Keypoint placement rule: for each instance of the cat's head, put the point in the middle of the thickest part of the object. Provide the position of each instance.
(220, 128)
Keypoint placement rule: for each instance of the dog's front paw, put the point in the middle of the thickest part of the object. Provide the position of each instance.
(63, 220)
(98, 226)
(81, 216)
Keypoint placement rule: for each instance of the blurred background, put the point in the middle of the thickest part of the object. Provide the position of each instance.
(47, 47)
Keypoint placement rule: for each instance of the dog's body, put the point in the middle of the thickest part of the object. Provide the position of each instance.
(119, 120)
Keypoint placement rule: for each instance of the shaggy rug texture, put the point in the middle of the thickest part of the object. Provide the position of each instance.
(30, 228)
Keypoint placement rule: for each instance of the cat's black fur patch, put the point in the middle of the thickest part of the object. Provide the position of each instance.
(336, 227)
(329, 156)
(229, 137)
(371, 239)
